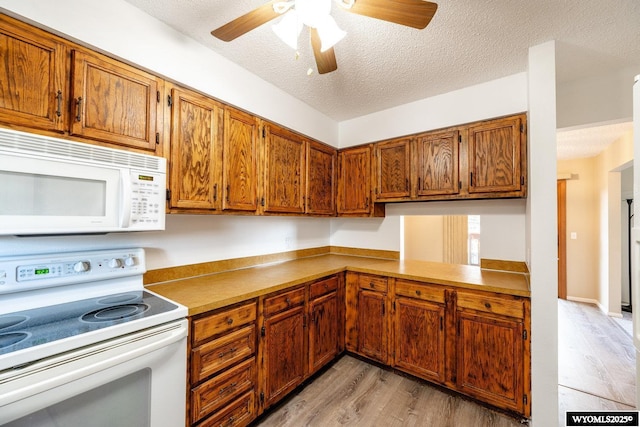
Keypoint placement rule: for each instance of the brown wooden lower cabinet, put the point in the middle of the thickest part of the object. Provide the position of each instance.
(247, 357)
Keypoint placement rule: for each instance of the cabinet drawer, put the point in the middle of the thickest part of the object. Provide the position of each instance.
(219, 323)
(373, 283)
(222, 389)
(283, 301)
(225, 351)
(421, 291)
(323, 287)
(237, 414)
(504, 306)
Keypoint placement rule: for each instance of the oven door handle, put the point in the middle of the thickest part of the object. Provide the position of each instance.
(57, 371)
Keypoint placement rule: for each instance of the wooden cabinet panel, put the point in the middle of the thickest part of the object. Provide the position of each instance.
(490, 359)
(420, 338)
(323, 327)
(438, 163)
(354, 191)
(33, 75)
(283, 354)
(196, 152)
(240, 153)
(223, 352)
(321, 179)
(113, 102)
(373, 283)
(372, 325)
(494, 152)
(500, 305)
(213, 394)
(323, 287)
(393, 166)
(239, 413)
(207, 327)
(285, 162)
(422, 291)
(283, 301)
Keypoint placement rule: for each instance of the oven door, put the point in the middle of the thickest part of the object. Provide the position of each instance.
(135, 380)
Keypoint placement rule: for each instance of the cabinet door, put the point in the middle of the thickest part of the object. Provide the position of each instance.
(494, 156)
(354, 181)
(419, 338)
(438, 163)
(32, 77)
(285, 154)
(240, 154)
(323, 330)
(372, 325)
(113, 102)
(284, 355)
(196, 130)
(490, 361)
(393, 169)
(321, 176)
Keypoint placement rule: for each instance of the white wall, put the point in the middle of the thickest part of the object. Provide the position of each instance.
(495, 98)
(541, 226)
(596, 99)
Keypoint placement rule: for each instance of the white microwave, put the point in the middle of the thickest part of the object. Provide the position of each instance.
(54, 186)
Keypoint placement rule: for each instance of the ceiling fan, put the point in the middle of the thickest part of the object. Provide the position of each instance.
(323, 29)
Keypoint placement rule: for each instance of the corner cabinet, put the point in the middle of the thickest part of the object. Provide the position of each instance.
(354, 183)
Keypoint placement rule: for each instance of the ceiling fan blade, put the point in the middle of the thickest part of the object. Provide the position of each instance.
(412, 13)
(326, 61)
(246, 22)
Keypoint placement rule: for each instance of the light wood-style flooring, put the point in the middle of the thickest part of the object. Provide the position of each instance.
(596, 372)
(596, 361)
(356, 393)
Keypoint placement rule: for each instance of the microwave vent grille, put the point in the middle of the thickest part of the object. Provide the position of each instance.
(21, 142)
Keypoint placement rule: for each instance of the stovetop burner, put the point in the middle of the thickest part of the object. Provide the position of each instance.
(38, 326)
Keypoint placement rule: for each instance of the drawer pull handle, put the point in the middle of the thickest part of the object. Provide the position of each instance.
(225, 390)
(372, 285)
(418, 292)
(487, 305)
(326, 287)
(230, 351)
(288, 301)
(229, 321)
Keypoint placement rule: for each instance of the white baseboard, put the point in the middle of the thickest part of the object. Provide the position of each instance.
(595, 302)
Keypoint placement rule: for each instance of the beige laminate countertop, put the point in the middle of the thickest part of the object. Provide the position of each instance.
(208, 292)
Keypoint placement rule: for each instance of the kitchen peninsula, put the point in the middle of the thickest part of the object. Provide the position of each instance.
(257, 332)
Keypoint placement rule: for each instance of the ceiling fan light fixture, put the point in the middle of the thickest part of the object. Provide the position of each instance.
(312, 12)
(289, 28)
(329, 33)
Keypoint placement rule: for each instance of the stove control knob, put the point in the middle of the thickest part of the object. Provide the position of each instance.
(115, 263)
(129, 261)
(81, 266)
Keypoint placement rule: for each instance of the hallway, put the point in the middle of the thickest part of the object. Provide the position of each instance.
(596, 361)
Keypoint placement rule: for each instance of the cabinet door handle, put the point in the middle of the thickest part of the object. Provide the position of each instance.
(383, 308)
(59, 98)
(227, 193)
(215, 192)
(406, 184)
(79, 111)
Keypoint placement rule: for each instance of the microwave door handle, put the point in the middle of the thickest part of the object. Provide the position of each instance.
(126, 195)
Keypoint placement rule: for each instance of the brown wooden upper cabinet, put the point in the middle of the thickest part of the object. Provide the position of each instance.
(196, 150)
(285, 165)
(495, 157)
(113, 102)
(321, 179)
(50, 84)
(240, 161)
(33, 77)
(480, 160)
(354, 183)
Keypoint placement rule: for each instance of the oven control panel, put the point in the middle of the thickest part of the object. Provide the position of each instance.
(33, 272)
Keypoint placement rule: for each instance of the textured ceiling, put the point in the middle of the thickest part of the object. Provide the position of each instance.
(589, 142)
(382, 65)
